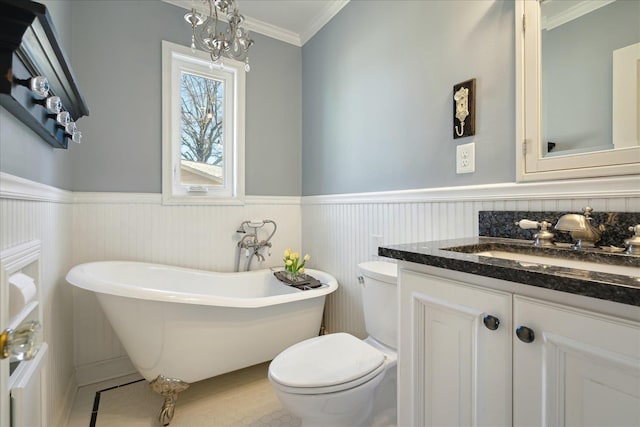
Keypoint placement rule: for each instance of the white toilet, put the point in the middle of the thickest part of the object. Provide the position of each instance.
(338, 379)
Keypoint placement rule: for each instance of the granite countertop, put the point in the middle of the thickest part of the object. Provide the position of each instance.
(613, 287)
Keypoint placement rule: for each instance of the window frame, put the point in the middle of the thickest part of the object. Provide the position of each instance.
(175, 60)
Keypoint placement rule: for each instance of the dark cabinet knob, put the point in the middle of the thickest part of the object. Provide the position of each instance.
(491, 322)
(525, 334)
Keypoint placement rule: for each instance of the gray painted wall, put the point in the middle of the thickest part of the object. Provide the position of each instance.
(22, 152)
(377, 89)
(577, 75)
(117, 58)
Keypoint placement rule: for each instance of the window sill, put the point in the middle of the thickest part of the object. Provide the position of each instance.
(201, 200)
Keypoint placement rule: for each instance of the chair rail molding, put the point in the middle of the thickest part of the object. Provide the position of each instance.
(14, 187)
(615, 187)
(81, 197)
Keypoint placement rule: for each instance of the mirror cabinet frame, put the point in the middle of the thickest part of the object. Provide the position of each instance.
(531, 165)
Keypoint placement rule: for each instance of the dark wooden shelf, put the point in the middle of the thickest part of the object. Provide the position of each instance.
(29, 47)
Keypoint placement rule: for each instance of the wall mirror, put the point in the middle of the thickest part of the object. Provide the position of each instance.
(577, 88)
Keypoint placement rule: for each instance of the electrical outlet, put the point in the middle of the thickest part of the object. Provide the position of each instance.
(466, 158)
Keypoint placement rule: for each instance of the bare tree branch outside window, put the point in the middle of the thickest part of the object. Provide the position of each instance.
(201, 117)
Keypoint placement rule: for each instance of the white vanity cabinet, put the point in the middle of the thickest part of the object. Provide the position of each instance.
(579, 368)
(453, 369)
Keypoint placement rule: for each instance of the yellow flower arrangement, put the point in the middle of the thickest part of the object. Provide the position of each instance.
(293, 263)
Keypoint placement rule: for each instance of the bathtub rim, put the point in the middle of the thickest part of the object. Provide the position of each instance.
(78, 277)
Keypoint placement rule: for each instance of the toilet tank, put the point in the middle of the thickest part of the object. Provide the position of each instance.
(378, 281)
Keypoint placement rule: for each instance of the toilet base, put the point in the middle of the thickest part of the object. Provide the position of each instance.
(343, 409)
(385, 406)
(372, 404)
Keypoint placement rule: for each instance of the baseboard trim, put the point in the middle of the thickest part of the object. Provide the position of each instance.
(62, 416)
(91, 373)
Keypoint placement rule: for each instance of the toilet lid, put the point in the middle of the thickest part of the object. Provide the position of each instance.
(325, 361)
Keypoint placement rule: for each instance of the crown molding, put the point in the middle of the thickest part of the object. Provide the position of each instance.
(574, 12)
(252, 24)
(273, 31)
(331, 8)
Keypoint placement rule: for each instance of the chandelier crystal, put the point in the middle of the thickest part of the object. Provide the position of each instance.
(231, 42)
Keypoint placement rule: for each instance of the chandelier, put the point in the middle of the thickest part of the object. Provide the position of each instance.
(233, 42)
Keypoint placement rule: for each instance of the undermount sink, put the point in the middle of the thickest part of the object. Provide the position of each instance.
(597, 260)
(562, 262)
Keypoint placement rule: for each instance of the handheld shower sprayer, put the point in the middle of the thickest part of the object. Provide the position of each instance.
(253, 223)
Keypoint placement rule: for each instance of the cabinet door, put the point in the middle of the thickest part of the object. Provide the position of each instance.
(453, 370)
(582, 369)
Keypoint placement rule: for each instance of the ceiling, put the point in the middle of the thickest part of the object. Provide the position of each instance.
(292, 21)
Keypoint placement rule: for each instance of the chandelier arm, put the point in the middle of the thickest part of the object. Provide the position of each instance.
(234, 43)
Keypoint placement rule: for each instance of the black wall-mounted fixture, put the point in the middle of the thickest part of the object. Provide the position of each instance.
(29, 47)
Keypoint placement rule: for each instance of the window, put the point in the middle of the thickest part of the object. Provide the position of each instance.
(202, 128)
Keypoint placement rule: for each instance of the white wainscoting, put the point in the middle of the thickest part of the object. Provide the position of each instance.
(30, 211)
(337, 229)
(137, 227)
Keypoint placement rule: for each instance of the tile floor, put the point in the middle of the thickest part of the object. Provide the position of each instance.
(241, 398)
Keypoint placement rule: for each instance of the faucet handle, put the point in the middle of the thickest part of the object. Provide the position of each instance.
(527, 224)
(587, 211)
(633, 243)
(544, 237)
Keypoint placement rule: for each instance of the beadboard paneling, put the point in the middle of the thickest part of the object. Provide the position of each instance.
(22, 220)
(337, 230)
(116, 226)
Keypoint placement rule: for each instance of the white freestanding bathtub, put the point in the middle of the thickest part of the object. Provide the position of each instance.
(181, 325)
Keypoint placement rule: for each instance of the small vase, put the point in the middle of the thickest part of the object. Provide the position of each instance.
(291, 275)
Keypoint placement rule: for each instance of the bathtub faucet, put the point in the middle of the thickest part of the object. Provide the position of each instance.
(250, 243)
(262, 244)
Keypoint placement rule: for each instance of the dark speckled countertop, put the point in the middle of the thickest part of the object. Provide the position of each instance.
(613, 287)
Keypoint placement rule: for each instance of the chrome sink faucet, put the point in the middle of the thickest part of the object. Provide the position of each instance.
(582, 231)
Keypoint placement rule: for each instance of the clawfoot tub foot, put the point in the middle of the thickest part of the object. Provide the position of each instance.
(169, 389)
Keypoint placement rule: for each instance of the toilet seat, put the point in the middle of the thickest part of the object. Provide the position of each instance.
(326, 364)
